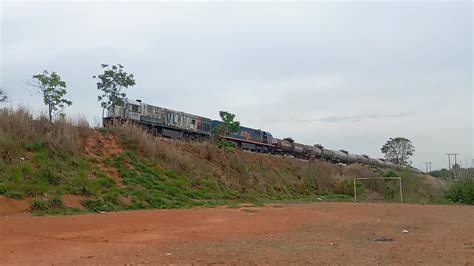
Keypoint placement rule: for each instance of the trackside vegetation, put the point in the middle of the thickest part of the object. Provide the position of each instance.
(44, 163)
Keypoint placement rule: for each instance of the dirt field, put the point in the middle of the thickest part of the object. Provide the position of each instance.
(319, 233)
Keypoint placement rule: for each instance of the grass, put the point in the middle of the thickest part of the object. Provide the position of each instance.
(43, 162)
(461, 191)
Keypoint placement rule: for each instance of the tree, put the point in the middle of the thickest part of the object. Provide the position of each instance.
(3, 96)
(53, 90)
(227, 127)
(111, 84)
(398, 150)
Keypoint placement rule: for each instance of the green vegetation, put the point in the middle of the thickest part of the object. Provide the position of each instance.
(227, 127)
(462, 191)
(456, 172)
(112, 84)
(398, 150)
(44, 163)
(53, 90)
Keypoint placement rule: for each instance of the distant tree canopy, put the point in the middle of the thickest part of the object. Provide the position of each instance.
(3, 96)
(53, 90)
(398, 150)
(112, 84)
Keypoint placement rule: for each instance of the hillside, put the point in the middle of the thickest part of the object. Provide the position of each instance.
(67, 167)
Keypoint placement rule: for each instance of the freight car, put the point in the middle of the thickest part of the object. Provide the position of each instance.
(180, 125)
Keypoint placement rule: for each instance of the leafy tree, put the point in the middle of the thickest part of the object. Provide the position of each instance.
(229, 126)
(398, 150)
(3, 96)
(53, 90)
(112, 84)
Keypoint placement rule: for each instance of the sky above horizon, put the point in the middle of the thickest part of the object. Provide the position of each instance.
(347, 75)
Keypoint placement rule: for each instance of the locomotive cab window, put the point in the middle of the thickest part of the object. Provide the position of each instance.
(134, 108)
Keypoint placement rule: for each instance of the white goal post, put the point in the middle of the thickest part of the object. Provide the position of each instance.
(378, 178)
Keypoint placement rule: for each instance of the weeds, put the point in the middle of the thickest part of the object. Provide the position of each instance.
(44, 161)
(461, 191)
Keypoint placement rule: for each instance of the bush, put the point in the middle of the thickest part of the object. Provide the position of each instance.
(462, 191)
(39, 205)
(55, 203)
(391, 174)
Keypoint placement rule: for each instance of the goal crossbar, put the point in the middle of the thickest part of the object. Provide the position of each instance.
(378, 178)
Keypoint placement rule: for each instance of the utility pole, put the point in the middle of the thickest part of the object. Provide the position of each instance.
(428, 167)
(449, 160)
(455, 161)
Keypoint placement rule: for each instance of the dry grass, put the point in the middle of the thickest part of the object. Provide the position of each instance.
(20, 127)
(202, 163)
(239, 170)
(247, 172)
(137, 137)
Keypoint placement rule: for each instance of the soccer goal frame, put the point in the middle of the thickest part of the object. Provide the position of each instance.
(379, 178)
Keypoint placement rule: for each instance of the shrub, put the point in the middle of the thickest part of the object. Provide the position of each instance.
(55, 203)
(462, 191)
(391, 174)
(39, 205)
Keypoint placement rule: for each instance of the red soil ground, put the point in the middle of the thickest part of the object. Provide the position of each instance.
(319, 233)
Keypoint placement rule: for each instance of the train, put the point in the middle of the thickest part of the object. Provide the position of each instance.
(180, 125)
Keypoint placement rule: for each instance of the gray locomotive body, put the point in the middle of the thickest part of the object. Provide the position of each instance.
(158, 120)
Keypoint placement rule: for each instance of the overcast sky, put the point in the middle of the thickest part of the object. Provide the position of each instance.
(347, 75)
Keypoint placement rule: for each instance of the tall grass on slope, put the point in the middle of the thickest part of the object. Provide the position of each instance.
(21, 130)
(137, 137)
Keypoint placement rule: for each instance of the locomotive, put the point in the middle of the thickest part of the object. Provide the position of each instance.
(179, 125)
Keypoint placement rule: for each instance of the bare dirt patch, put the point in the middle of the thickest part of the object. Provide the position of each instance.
(103, 146)
(320, 233)
(73, 201)
(13, 206)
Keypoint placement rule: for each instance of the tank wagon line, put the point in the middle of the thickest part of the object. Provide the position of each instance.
(179, 125)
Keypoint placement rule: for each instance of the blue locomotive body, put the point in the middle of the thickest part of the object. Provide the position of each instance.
(249, 138)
